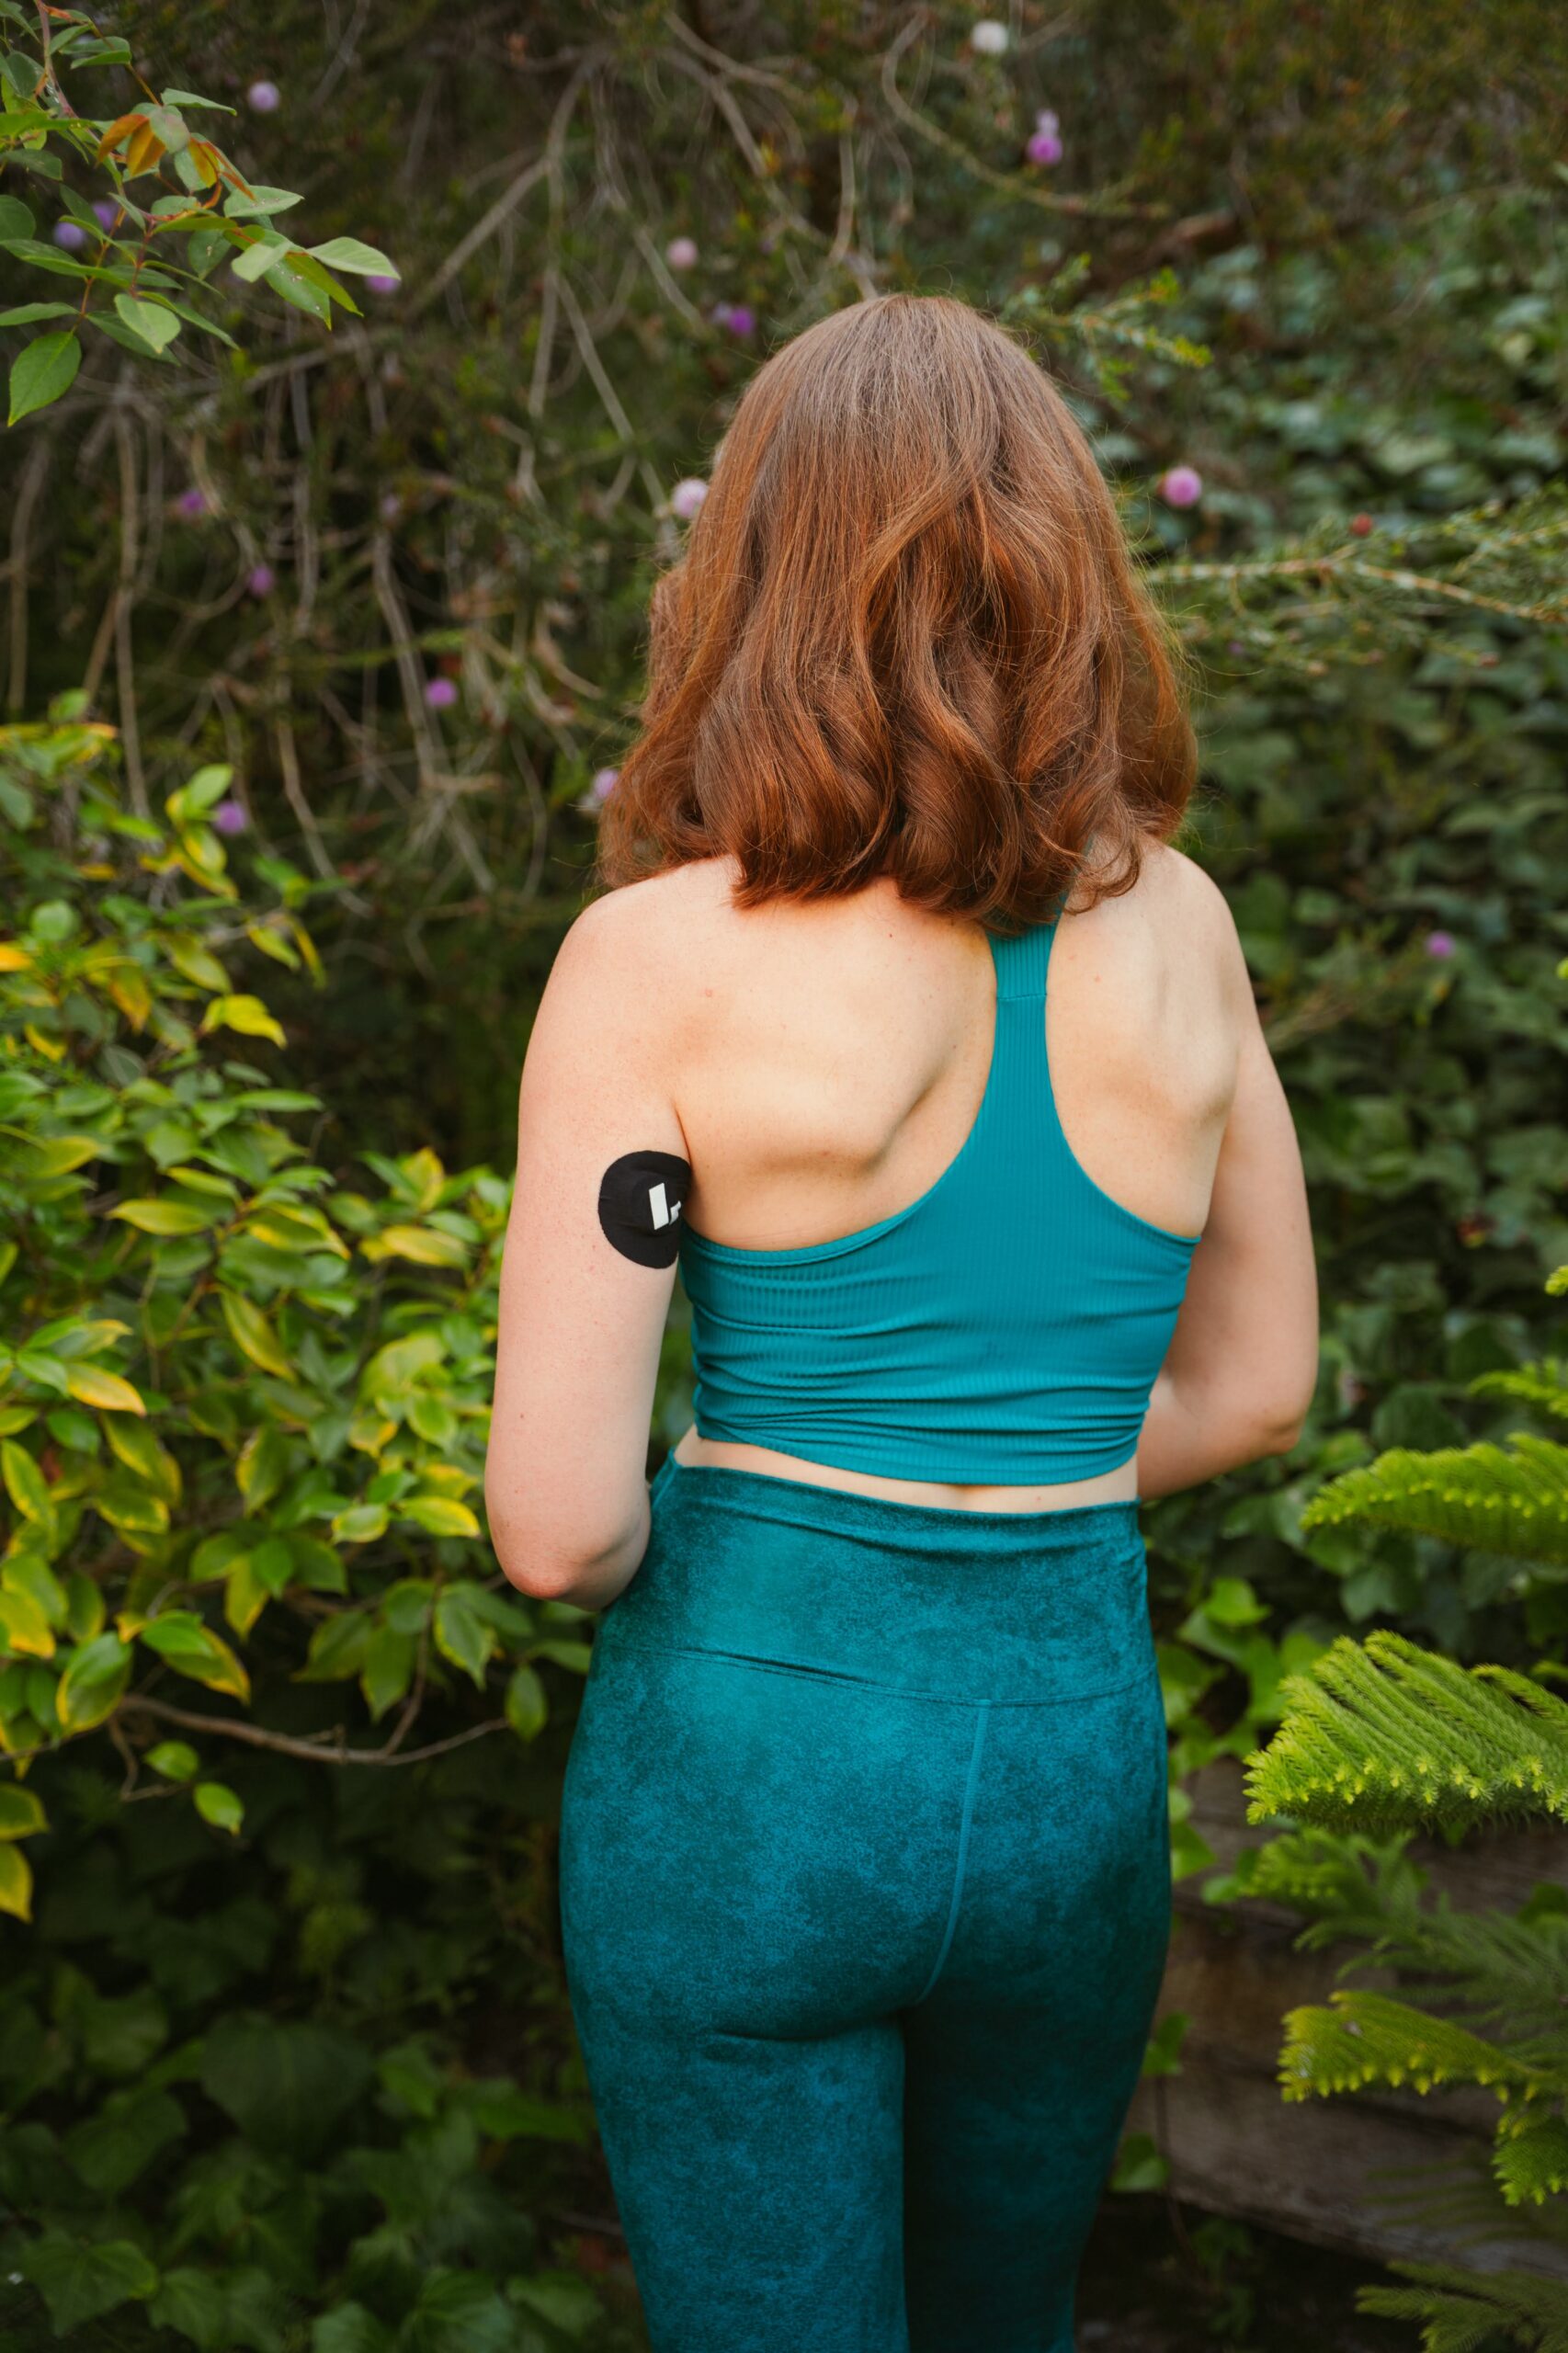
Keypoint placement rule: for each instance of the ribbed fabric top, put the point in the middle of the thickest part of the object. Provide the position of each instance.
(1005, 1328)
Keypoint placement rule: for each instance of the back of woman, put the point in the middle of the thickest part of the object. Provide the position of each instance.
(905, 1036)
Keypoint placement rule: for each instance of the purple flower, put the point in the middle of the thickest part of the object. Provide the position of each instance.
(441, 693)
(602, 785)
(1044, 148)
(70, 234)
(1440, 943)
(229, 817)
(1046, 120)
(1181, 486)
(742, 320)
(263, 98)
(105, 213)
(379, 283)
(390, 507)
(681, 253)
(686, 499)
(191, 504)
(261, 580)
(722, 313)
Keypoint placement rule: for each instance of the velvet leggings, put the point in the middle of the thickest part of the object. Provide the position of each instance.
(865, 1892)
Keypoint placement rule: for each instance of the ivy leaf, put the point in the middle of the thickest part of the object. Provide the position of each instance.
(42, 372)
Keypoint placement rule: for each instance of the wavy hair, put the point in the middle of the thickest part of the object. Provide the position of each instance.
(906, 637)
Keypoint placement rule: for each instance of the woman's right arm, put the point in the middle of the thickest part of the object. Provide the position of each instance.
(1241, 1371)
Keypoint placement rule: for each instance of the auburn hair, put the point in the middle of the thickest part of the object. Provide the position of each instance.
(906, 637)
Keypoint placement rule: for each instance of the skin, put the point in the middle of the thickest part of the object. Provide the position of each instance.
(819, 1065)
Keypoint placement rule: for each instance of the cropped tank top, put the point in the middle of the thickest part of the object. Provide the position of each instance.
(1005, 1328)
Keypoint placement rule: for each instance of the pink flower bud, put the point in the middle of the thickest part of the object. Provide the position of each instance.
(1181, 486)
(70, 234)
(602, 785)
(681, 253)
(1440, 943)
(686, 499)
(1044, 148)
(263, 98)
(441, 693)
(261, 580)
(1046, 120)
(191, 504)
(229, 817)
(380, 282)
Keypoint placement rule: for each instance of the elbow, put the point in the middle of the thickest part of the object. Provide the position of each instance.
(548, 1562)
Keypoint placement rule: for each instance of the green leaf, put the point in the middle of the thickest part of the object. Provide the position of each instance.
(25, 1482)
(167, 1216)
(21, 1812)
(285, 2084)
(462, 1635)
(16, 1883)
(95, 1676)
(349, 2328)
(27, 314)
(253, 1335)
(79, 2280)
(528, 1709)
(361, 1524)
(16, 220)
(357, 258)
(388, 1669)
(41, 372)
(438, 1516)
(156, 326)
(246, 1013)
(218, 1804)
(192, 1648)
(176, 1759)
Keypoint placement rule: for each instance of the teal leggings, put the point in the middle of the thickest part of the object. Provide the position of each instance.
(865, 1889)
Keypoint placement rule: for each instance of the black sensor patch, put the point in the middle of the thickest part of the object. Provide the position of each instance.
(641, 1196)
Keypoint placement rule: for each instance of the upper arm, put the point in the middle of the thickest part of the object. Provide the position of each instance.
(577, 1347)
(1248, 1326)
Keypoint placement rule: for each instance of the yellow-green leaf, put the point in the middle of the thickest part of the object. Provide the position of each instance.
(16, 1883)
(24, 1627)
(197, 964)
(166, 1217)
(246, 1013)
(57, 1156)
(95, 1675)
(426, 1245)
(25, 1482)
(91, 1385)
(438, 1516)
(361, 1524)
(192, 1648)
(253, 1335)
(218, 1804)
(136, 1446)
(21, 1812)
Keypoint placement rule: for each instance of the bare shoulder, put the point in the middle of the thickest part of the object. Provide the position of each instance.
(639, 941)
(1185, 897)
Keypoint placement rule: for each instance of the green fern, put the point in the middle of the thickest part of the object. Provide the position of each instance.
(1465, 2312)
(1384, 1736)
(1364, 2039)
(1512, 1502)
(1543, 1385)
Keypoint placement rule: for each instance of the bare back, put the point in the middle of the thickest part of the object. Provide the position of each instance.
(831, 1056)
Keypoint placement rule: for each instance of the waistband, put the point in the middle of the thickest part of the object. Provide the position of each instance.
(945, 1604)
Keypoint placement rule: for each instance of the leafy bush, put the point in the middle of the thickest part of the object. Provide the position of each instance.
(242, 1413)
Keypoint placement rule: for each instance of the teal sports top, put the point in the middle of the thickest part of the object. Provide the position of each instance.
(1004, 1329)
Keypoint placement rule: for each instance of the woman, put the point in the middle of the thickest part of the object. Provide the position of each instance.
(864, 1853)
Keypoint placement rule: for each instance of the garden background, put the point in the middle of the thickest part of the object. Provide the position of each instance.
(330, 528)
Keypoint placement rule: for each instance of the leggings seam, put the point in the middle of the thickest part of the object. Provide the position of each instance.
(970, 1786)
(865, 1683)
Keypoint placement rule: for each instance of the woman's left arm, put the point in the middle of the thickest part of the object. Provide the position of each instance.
(581, 1322)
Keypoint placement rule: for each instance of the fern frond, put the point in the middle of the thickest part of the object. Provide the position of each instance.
(1531, 2163)
(1515, 1502)
(1543, 1385)
(1364, 2039)
(1464, 2312)
(1384, 1736)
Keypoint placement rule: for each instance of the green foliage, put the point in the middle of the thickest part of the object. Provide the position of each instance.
(243, 1411)
(190, 201)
